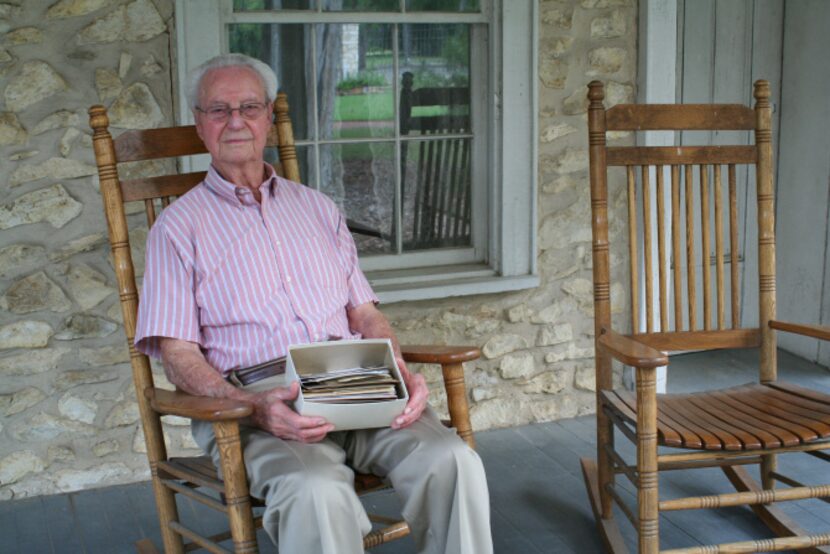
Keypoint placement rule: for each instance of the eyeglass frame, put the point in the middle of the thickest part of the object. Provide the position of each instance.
(227, 111)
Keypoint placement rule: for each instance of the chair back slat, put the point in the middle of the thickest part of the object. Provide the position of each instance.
(685, 117)
(673, 155)
(160, 186)
(719, 247)
(151, 144)
(677, 267)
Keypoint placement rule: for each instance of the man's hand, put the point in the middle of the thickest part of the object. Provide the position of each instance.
(273, 415)
(418, 395)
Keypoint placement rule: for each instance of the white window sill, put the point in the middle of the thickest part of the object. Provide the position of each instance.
(443, 282)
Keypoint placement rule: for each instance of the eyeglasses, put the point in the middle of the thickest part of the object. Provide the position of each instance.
(250, 110)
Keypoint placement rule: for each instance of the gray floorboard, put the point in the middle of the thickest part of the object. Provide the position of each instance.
(538, 500)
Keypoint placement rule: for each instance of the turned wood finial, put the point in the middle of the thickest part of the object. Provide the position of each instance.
(98, 119)
(762, 92)
(281, 105)
(596, 92)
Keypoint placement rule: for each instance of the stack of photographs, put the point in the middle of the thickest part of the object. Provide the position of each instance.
(350, 385)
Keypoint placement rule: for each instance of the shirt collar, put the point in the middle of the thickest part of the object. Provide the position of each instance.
(235, 194)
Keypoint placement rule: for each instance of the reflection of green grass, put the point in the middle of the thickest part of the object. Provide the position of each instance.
(375, 107)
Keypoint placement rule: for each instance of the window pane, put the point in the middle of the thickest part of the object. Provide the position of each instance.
(355, 94)
(442, 5)
(435, 79)
(258, 5)
(278, 45)
(437, 193)
(362, 5)
(305, 159)
(360, 179)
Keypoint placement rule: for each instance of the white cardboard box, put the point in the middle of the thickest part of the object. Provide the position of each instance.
(318, 357)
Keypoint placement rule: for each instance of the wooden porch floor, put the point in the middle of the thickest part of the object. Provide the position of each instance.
(538, 501)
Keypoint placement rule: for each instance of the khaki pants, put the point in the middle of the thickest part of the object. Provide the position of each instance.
(309, 495)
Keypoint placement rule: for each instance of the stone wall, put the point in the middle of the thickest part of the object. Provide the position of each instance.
(69, 420)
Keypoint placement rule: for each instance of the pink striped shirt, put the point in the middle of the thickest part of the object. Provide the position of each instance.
(245, 280)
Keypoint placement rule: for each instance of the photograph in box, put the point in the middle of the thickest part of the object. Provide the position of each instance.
(352, 384)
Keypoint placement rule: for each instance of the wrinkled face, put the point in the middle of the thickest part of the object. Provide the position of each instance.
(237, 141)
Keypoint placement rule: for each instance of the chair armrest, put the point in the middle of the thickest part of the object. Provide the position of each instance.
(450, 358)
(205, 408)
(630, 351)
(816, 331)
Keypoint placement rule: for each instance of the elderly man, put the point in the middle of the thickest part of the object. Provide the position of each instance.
(248, 263)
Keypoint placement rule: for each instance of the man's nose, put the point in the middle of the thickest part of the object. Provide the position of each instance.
(235, 119)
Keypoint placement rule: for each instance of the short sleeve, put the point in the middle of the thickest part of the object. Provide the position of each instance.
(360, 291)
(167, 306)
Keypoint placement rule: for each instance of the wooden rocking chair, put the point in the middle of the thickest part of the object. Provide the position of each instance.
(192, 476)
(730, 428)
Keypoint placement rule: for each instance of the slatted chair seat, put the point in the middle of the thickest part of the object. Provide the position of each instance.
(745, 417)
(196, 477)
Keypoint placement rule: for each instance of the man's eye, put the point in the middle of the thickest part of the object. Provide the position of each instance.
(217, 110)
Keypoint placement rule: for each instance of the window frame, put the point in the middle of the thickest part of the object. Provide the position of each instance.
(507, 229)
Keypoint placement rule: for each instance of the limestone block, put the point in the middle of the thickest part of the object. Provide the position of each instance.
(77, 479)
(108, 84)
(606, 60)
(52, 205)
(23, 155)
(18, 464)
(32, 362)
(75, 377)
(577, 103)
(9, 11)
(558, 130)
(74, 8)
(585, 378)
(23, 35)
(104, 355)
(87, 286)
(65, 144)
(34, 293)
(123, 413)
(618, 93)
(105, 448)
(481, 394)
(609, 27)
(175, 421)
(549, 382)
(136, 22)
(57, 120)
(518, 313)
(516, 366)
(456, 322)
(556, 47)
(559, 16)
(16, 402)
(77, 409)
(59, 453)
(550, 335)
(85, 243)
(44, 427)
(23, 334)
(559, 184)
(136, 108)
(559, 230)
(84, 326)
(553, 72)
(20, 257)
(554, 312)
(500, 345)
(124, 63)
(571, 161)
(35, 82)
(11, 131)
(499, 412)
(54, 168)
(562, 262)
(151, 67)
(581, 289)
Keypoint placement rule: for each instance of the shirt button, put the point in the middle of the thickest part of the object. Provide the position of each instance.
(288, 279)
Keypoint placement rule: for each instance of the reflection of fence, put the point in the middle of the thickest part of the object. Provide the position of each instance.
(417, 39)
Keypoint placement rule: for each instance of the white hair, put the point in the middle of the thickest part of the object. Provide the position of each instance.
(265, 73)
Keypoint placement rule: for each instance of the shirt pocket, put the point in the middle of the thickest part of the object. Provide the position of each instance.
(322, 269)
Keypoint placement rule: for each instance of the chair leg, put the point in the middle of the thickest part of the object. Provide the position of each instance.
(605, 469)
(647, 492)
(167, 511)
(769, 464)
(457, 401)
(237, 497)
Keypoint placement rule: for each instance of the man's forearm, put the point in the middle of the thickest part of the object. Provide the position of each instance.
(187, 368)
